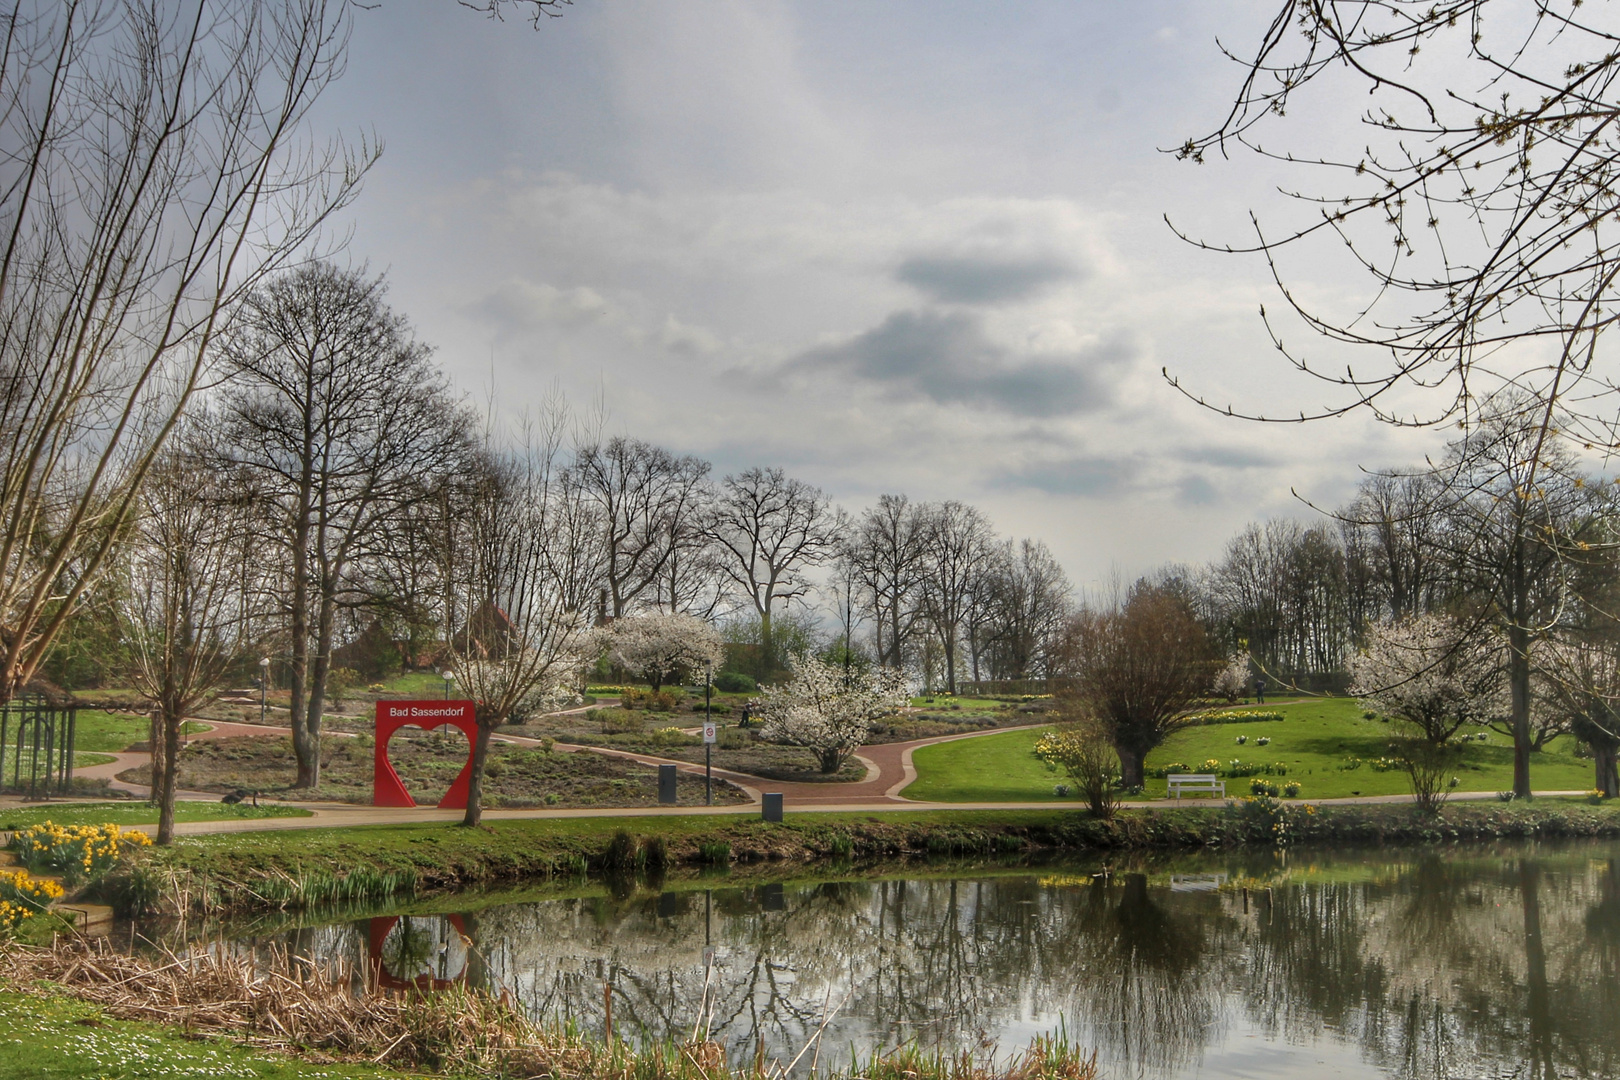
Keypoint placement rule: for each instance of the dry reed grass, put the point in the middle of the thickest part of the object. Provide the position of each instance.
(274, 1001)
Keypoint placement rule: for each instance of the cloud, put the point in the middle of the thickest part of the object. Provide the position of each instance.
(1089, 476)
(957, 279)
(529, 305)
(947, 357)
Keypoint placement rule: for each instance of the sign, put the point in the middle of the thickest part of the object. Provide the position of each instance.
(710, 734)
(386, 787)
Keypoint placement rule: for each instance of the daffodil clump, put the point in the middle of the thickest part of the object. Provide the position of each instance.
(77, 852)
(21, 895)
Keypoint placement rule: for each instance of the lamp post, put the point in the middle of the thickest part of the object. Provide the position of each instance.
(264, 686)
(708, 747)
(448, 677)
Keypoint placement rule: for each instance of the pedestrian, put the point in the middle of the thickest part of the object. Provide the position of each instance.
(1259, 689)
(744, 721)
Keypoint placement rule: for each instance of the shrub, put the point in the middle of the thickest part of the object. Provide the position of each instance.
(735, 682)
(552, 798)
(1082, 750)
(1291, 789)
(842, 846)
(1241, 739)
(1061, 791)
(77, 852)
(1258, 786)
(1505, 796)
(1210, 765)
(1262, 741)
(715, 853)
(1594, 797)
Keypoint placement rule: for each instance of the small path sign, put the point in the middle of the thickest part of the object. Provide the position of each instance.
(710, 732)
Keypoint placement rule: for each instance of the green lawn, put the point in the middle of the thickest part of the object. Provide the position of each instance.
(58, 1038)
(136, 813)
(94, 729)
(1316, 741)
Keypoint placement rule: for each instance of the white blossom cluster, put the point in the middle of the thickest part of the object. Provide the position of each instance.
(660, 646)
(1428, 672)
(826, 709)
(1233, 680)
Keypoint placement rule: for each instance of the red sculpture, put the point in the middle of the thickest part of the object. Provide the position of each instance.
(386, 787)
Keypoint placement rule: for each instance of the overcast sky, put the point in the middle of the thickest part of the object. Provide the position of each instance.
(907, 247)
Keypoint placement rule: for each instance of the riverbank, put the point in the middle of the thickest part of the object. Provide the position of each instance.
(241, 873)
(82, 1009)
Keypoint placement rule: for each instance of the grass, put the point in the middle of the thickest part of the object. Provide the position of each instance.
(137, 813)
(55, 1037)
(1317, 742)
(95, 729)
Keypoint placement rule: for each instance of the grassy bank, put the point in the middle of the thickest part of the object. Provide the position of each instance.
(1325, 744)
(138, 813)
(234, 873)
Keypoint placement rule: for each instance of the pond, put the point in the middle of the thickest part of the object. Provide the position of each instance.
(1498, 961)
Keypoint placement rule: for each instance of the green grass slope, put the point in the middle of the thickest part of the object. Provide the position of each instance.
(1317, 742)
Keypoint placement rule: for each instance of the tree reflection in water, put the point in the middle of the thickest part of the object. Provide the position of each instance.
(1486, 964)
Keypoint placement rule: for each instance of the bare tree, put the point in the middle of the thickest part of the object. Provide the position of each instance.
(1519, 517)
(182, 614)
(340, 415)
(1481, 207)
(956, 544)
(645, 501)
(515, 644)
(1136, 667)
(769, 529)
(151, 172)
(886, 548)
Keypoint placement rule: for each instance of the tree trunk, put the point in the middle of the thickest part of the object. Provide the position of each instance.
(154, 744)
(1607, 762)
(767, 648)
(324, 622)
(1130, 766)
(1519, 687)
(831, 760)
(949, 642)
(171, 771)
(304, 748)
(475, 781)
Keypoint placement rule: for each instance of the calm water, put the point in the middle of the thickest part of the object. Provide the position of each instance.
(1501, 962)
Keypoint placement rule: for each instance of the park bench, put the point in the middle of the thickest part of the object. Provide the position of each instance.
(1188, 781)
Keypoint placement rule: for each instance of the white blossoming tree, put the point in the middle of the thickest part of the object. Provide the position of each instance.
(660, 646)
(826, 710)
(1435, 679)
(1233, 680)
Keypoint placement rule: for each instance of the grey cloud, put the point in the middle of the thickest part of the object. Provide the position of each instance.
(956, 279)
(1197, 491)
(1093, 477)
(1230, 457)
(947, 358)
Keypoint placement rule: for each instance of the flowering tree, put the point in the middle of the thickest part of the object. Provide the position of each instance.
(1427, 672)
(1580, 680)
(659, 646)
(824, 709)
(1434, 678)
(1233, 680)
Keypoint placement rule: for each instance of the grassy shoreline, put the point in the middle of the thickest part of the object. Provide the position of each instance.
(229, 874)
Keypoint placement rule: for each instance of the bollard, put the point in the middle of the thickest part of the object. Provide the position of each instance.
(666, 784)
(772, 809)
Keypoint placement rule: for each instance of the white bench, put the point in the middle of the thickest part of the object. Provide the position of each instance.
(1190, 781)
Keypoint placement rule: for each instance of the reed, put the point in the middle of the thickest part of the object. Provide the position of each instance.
(276, 1001)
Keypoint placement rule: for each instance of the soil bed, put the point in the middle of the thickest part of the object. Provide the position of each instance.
(428, 764)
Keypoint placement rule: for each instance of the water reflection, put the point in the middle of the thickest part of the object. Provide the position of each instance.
(1500, 963)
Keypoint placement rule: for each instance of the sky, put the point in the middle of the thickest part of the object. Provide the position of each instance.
(913, 247)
